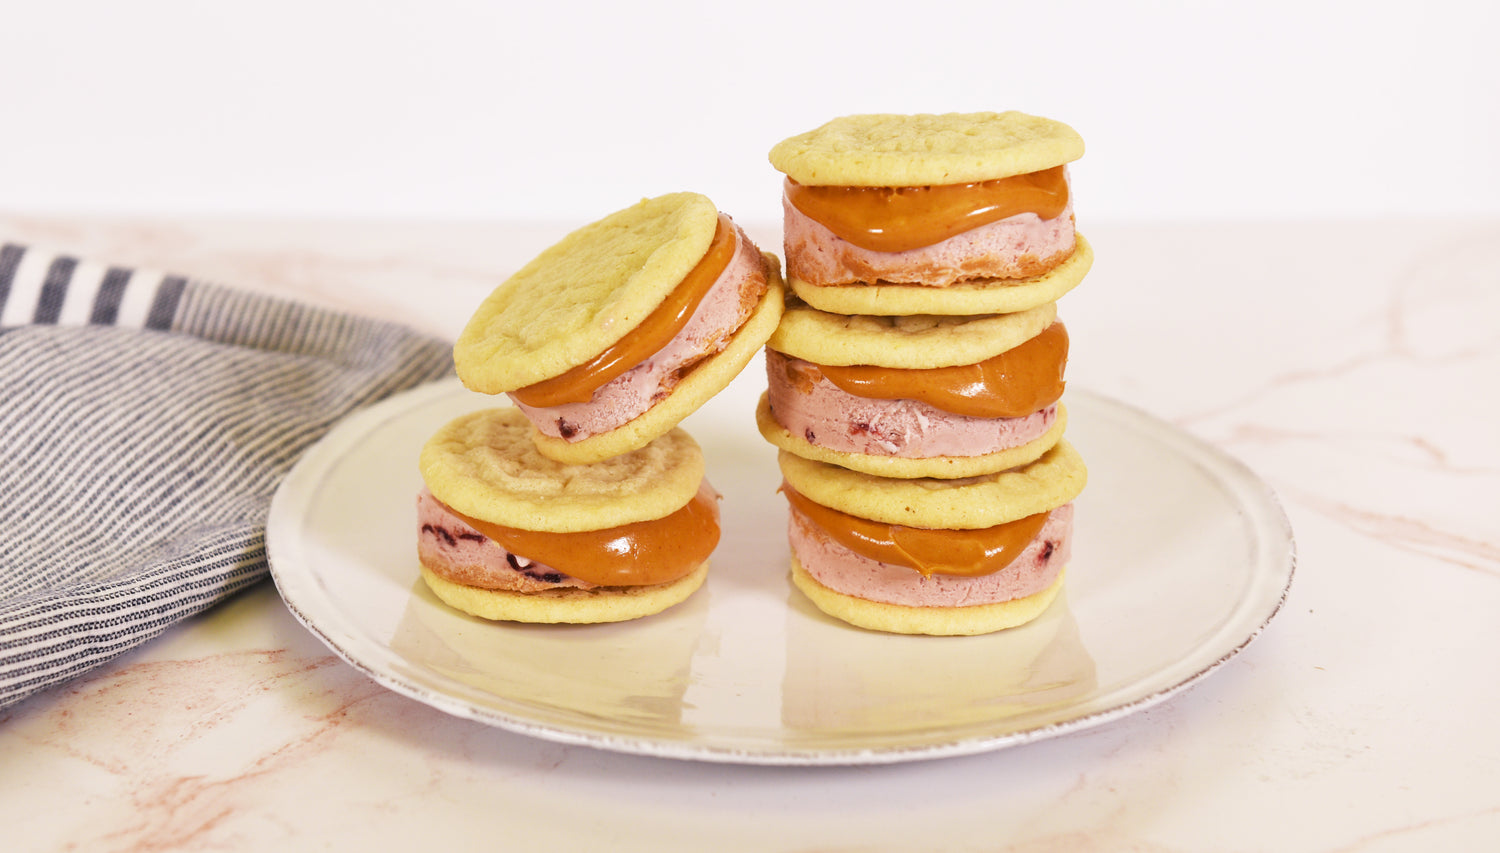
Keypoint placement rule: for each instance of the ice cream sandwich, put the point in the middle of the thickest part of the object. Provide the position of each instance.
(505, 533)
(961, 213)
(944, 557)
(612, 336)
(919, 396)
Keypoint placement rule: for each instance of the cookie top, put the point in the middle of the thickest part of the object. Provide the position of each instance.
(964, 504)
(985, 296)
(917, 341)
(484, 465)
(584, 293)
(883, 150)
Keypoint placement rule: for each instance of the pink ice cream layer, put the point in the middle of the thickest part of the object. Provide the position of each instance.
(452, 547)
(842, 570)
(829, 417)
(630, 394)
(1019, 246)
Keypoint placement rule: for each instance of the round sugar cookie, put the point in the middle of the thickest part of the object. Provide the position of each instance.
(601, 604)
(918, 341)
(902, 468)
(936, 621)
(706, 379)
(883, 150)
(584, 293)
(484, 465)
(990, 296)
(969, 503)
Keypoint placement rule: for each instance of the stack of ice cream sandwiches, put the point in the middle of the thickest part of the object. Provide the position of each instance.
(585, 501)
(915, 380)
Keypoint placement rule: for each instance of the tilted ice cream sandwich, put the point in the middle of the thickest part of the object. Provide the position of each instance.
(505, 533)
(920, 396)
(612, 336)
(962, 213)
(932, 557)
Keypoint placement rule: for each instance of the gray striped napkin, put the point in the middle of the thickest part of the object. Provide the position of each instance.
(145, 421)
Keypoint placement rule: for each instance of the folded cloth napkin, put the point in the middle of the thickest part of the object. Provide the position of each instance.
(145, 421)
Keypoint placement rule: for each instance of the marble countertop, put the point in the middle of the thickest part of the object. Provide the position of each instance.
(1353, 365)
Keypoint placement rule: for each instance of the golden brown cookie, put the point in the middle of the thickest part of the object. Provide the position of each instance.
(905, 341)
(970, 503)
(886, 150)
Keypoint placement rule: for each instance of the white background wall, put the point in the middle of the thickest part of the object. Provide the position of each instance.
(468, 109)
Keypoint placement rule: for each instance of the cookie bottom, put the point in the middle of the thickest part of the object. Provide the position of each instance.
(579, 606)
(936, 621)
(983, 296)
(906, 467)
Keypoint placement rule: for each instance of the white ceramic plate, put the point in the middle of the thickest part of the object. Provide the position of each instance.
(1181, 557)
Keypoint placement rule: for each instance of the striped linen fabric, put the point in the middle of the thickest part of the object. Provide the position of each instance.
(145, 421)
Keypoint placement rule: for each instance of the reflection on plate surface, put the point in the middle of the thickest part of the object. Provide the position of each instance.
(835, 687)
(634, 677)
(1181, 556)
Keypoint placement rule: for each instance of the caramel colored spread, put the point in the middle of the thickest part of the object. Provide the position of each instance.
(638, 554)
(897, 219)
(660, 326)
(1013, 384)
(965, 553)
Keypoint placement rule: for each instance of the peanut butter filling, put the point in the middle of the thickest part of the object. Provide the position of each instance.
(638, 554)
(898, 219)
(1022, 380)
(660, 326)
(964, 553)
